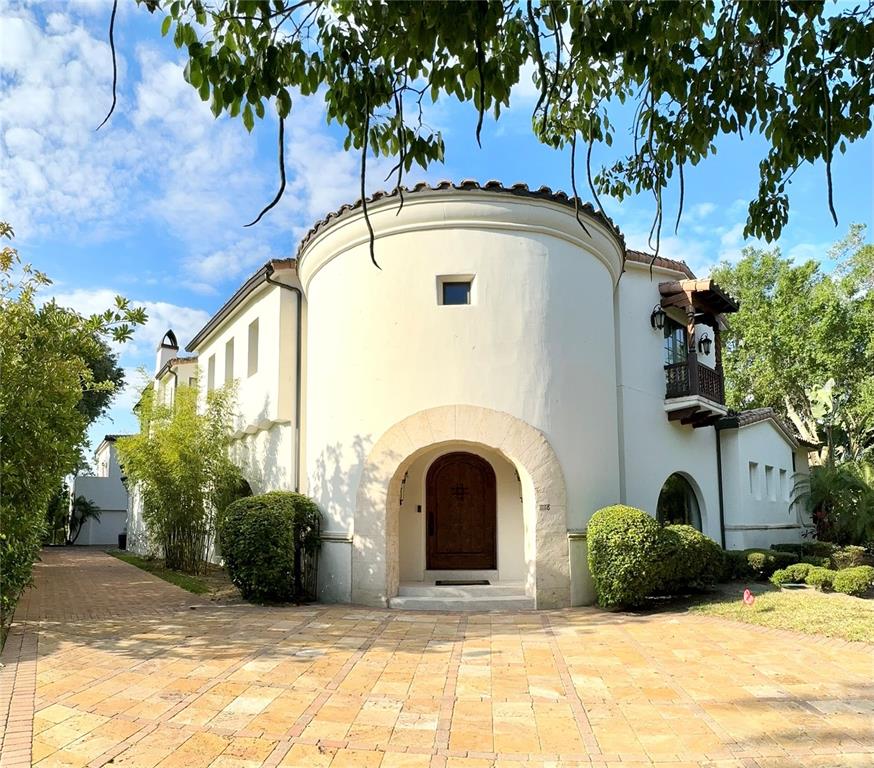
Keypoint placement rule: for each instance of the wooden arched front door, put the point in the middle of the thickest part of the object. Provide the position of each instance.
(461, 513)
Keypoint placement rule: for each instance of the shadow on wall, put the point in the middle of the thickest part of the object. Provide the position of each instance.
(261, 456)
(335, 482)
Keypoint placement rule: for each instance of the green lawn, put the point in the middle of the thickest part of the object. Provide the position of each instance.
(213, 582)
(803, 610)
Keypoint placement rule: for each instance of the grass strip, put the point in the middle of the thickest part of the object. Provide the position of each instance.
(156, 568)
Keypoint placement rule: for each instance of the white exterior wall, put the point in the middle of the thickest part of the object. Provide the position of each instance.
(536, 342)
(653, 447)
(758, 510)
(105, 490)
(510, 533)
(265, 401)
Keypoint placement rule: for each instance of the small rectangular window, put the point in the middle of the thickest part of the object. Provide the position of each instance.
(456, 292)
(192, 381)
(755, 491)
(253, 348)
(229, 361)
(210, 374)
(770, 486)
(784, 485)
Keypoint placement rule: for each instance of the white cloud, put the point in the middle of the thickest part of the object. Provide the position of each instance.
(231, 263)
(802, 252)
(185, 321)
(701, 211)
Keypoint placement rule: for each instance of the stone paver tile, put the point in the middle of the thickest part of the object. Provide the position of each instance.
(308, 756)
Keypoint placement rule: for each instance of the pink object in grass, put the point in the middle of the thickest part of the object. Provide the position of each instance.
(749, 597)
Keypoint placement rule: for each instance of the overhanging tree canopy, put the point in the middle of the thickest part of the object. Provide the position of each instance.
(798, 74)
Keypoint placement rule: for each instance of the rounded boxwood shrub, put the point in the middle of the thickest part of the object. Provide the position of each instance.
(793, 574)
(687, 560)
(854, 581)
(821, 578)
(257, 536)
(623, 550)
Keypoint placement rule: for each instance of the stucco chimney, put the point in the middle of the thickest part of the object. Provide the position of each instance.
(167, 350)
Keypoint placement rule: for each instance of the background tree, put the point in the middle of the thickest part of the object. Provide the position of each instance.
(81, 511)
(803, 343)
(180, 466)
(799, 75)
(44, 353)
(57, 516)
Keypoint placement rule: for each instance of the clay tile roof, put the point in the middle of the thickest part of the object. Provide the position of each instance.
(660, 261)
(755, 415)
(467, 185)
(173, 362)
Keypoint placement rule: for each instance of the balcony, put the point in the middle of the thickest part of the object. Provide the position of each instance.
(692, 378)
(694, 393)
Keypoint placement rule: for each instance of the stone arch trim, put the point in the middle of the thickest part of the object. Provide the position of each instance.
(375, 541)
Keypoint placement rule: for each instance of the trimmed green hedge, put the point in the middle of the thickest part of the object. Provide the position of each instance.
(757, 563)
(623, 550)
(854, 581)
(821, 578)
(801, 548)
(257, 536)
(688, 560)
(793, 574)
(632, 557)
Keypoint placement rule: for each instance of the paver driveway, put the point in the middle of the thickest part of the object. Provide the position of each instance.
(118, 668)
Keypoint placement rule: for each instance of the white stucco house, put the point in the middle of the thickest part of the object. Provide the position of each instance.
(106, 490)
(461, 411)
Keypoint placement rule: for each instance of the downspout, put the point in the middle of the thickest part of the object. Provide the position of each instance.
(718, 433)
(297, 381)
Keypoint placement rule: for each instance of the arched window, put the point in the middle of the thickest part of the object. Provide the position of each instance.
(678, 503)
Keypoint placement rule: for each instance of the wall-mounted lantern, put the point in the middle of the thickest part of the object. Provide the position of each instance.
(657, 317)
(403, 489)
(704, 344)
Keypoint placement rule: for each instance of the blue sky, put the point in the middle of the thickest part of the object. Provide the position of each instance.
(152, 205)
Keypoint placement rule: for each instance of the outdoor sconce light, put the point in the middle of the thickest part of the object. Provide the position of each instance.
(657, 318)
(704, 344)
(403, 489)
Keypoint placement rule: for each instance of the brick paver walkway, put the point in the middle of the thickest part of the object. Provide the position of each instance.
(119, 669)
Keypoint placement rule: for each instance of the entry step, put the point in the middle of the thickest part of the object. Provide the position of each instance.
(425, 596)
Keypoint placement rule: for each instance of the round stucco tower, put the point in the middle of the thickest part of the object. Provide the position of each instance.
(482, 346)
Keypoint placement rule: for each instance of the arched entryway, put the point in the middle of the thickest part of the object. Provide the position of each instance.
(540, 483)
(678, 503)
(461, 510)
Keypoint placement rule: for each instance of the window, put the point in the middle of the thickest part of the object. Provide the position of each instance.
(253, 348)
(675, 342)
(455, 289)
(456, 293)
(755, 491)
(784, 486)
(192, 381)
(229, 361)
(770, 488)
(678, 504)
(210, 374)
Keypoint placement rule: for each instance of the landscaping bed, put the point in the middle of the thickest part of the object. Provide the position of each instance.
(213, 583)
(802, 609)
